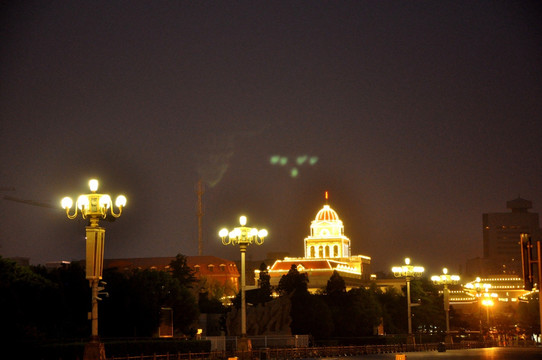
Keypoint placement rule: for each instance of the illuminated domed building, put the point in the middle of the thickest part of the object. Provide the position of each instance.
(327, 249)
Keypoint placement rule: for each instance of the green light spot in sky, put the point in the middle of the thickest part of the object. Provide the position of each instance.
(313, 160)
(274, 159)
(301, 159)
(283, 161)
(294, 172)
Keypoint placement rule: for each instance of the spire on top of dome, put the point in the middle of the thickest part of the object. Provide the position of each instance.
(327, 213)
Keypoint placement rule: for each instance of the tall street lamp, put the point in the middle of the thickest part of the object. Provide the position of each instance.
(445, 279)
(243, 236)
(408, 272)
(94, 207)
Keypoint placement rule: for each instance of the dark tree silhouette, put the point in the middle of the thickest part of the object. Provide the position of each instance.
(335, 284)
(182, 272)
(293, 281)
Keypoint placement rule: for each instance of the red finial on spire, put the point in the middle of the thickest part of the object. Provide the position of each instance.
(326, 196)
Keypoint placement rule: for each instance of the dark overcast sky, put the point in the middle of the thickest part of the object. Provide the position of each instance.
(423, 115)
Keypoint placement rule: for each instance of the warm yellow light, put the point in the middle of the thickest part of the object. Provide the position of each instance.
(262, 233)
(418, 269)
(488, 302)
(237, 232)
(435, 278)
(93, 185)
(105, 201)
(66, 203)
(397, 269)
(407, 261)
(82, 202)
(455, 277)
(253, 232)
(243, 220)
(120, 201)
(223, 233)
(445, 271)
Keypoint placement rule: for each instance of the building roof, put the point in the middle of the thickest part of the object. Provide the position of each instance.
(212, 266)
(206, 265)
(158, 263)
(286, 264)
(519, 204)
(327, 214)
(311, 265)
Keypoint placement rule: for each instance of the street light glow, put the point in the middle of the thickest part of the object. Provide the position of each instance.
(243, 236)
(94, 206)
(408, 272)
(93, 185)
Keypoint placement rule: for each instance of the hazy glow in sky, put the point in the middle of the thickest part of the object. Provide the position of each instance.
(418, 117)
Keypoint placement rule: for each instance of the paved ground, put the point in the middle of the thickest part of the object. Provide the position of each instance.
(470, 354)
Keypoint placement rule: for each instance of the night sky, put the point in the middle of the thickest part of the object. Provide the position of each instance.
(417, 117)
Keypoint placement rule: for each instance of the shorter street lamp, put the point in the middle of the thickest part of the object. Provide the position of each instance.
(94, 207)
(408, 272)
(243, 236)
(445, 279)
(487, 303)
(482, 290)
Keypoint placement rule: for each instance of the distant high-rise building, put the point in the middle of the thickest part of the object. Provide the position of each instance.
(501, 236)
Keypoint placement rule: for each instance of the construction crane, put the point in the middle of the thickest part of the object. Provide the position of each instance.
(30, 202)
(24, 201)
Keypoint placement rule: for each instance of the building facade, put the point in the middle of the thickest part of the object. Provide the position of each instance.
(213, 273)
(327, 249)
(501, 237)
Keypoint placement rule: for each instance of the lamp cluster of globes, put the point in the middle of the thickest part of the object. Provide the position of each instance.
(243, 234)
(93, 204)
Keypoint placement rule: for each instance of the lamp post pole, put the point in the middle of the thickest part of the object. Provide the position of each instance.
(408, 272)
(94, 206)
(482, 291)
(243, 236)
(445, 279)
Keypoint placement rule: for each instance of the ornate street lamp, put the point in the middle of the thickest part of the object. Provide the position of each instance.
(94, 207)
(243, 236)
(408, 272)
(445, 279)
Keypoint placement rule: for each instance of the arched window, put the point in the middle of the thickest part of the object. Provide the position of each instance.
(321, 251)
(312, 252)
(327, 251)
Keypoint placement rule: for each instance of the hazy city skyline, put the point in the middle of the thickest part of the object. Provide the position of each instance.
(417, 117)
